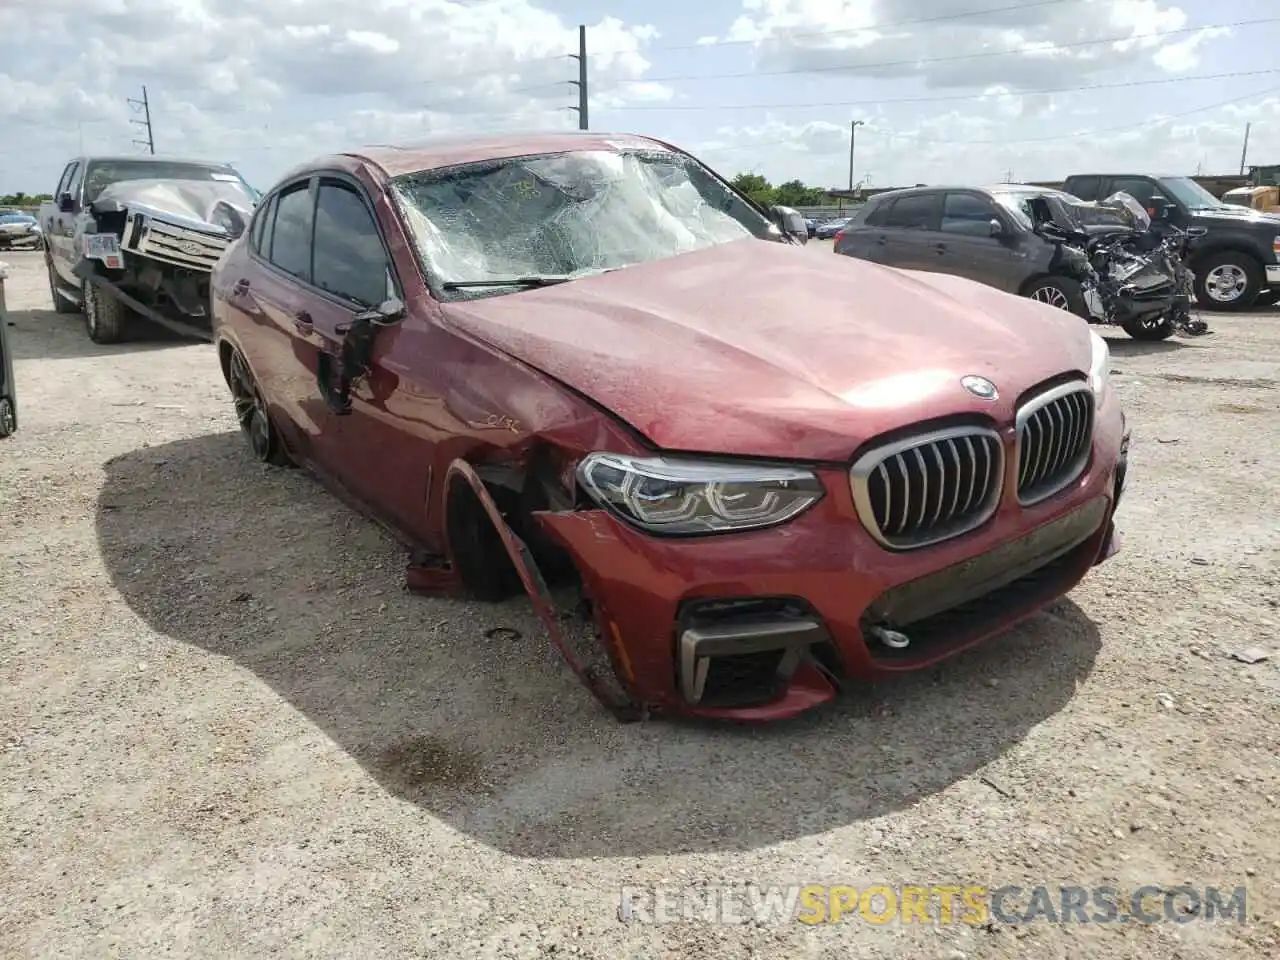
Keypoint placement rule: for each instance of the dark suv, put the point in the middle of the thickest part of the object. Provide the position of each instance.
(980, 233)
(1236, 257)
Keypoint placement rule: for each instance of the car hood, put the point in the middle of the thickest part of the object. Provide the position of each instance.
(1231, 214)
(205, 205)
(771, 350)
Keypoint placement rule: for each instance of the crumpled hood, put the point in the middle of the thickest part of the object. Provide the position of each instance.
(766, 349)
(1235, 214)
(192, 203)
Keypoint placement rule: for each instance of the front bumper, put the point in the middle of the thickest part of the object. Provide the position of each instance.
(765, 625)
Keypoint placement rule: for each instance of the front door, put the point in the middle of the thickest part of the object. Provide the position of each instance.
(369, 445)
(971, 250)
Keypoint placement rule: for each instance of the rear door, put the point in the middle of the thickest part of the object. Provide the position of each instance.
(912, 232)
(969, 249)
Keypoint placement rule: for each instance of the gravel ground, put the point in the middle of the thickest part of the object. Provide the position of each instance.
(226, 731)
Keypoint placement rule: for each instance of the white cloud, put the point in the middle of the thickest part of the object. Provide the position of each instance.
(271, 82)
(1028, 45)
(1002, 134)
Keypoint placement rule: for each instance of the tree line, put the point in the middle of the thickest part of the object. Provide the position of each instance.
(793, 193)
(21, 199)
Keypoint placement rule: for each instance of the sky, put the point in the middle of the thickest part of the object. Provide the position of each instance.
(954, 91)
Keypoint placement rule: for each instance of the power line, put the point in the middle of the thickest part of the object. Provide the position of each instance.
(150, 142)
(923, 61)
(953, 97)
(1132, 125)
(879, 26)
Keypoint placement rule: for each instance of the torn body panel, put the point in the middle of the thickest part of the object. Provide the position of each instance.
(536, 587)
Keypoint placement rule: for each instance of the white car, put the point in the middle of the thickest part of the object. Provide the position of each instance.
(18, 229)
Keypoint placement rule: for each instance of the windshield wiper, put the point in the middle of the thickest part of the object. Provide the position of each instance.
(513, 282)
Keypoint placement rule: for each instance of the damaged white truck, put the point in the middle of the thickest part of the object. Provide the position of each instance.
(132, 238)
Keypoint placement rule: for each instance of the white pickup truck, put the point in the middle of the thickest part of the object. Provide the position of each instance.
(130, 237)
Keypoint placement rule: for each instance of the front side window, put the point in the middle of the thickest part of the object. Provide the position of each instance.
(290, 247)
(918, 211)
(566, 215)
(349, 259)
(967, 214)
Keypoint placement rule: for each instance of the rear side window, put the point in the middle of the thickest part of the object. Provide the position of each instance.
(349, 258)
(262, 226)
(919, 211)
(66, 179)
(290, 247)
(875, 212)
(1086, 188)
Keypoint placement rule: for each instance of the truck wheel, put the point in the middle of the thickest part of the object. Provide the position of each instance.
(1228, 281)
(1061, 292)
(60, 303)
(1157, 328)
(8, 419)
(105, 317)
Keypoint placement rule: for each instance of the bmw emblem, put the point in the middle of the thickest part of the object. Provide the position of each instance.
(980, 387)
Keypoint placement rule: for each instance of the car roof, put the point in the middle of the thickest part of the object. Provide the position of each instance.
(393, 160)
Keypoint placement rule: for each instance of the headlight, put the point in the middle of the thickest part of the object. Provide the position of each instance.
(1099, 365)
(682, 497)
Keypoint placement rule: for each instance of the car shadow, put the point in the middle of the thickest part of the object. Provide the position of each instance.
(485, 728)
(1128, 347)
(47, 335)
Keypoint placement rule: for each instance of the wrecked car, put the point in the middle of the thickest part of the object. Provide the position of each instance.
(730, 475)
(136, 237)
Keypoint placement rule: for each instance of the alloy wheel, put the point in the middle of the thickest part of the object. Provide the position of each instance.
(8, 420)
(1051, 295)
(251, 411)
(1226, 283)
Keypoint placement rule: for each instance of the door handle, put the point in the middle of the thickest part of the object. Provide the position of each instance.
(940, 248)
(881, 241)
(302, 322)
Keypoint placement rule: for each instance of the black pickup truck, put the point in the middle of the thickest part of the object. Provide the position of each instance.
(1236, 251)
(137, 236)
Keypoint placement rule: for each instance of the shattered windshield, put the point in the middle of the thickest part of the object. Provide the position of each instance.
(103, 173)
(566, 215)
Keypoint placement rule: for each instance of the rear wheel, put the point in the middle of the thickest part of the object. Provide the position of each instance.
(1061, 292)
(1156, 328)
(60, 302)
(251, 414)
(1228, 281)
(8, 417)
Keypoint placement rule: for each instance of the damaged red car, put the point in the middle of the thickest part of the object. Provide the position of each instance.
(731, 474)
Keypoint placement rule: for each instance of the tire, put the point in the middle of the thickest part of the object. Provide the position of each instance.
(1148, 330)
(1228, 281)
(106, 319)
(60, 303)
(8, 418)
(1061, 292)
(252, 414)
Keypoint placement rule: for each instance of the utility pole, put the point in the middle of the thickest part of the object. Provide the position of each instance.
(1244, 153)
(853, 136)
(581, 82)
(150, 142)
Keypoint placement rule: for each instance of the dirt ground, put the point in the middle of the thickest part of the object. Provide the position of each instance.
(226, 731)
